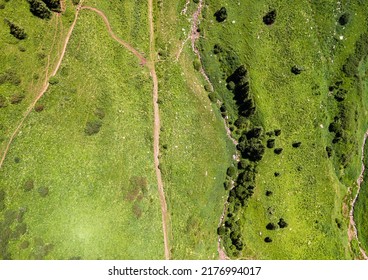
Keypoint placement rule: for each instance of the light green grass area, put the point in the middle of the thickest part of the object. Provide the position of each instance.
(102, 201)
(25, 61)
(194, 146)
(128, 19)
(307, 194)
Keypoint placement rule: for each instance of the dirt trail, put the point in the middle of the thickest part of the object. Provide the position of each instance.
(352, 231)
(43, 89)
(143, 61)
(195, 36)
(156, 133)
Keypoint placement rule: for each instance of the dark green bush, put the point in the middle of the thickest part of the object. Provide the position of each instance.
(329, 151)
(344, 19)
(270, 143)
(296, 70)
(277, 151)
(270, 17)
(28, 185)
(227, 185)
(53, 80)
(39, 9)
(15, 30)
(53, 5)
(93, 127)
(269, 193)
(17, 98)
(213, 97)
(39, 108)
(231, 171)
(217, 49)
(197, 64)
(282, 223)
(2, 102)
(277, 174)
(268, 240)
(253, 150)
(271, 226)
(99, 113)
(277, 132)
(10, 76)
(221, 14)
(24, 245)
(296, 144)
(43, 191)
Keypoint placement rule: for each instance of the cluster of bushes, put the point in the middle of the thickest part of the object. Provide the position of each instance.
(94, 126)
(53, 5)
(343, 142)
(240, 179)
(221, 14)
(39, 9)
(12, 228)
(270, 17)
(338, 91)
(2, 200)
(238, 83)
(350, 68)
(15, 30)
(10, 76)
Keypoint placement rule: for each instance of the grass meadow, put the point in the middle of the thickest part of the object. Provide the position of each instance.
(310, 190)
(91, 197)
(195, 150)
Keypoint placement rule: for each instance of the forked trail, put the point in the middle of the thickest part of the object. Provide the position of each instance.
(143, 61)
(43, 89)
(156, 128)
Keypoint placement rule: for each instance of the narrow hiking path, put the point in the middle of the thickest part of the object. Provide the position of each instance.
(143, 62)
(44, 87)
(156, 128)
(156, 132)
(352, 230)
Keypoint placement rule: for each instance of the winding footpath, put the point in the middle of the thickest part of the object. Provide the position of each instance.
(156, 132)
(353, 231)
(44, 87)
(143, 61)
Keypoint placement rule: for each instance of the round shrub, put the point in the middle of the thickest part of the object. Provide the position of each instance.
(269, 193)
(270, 17)
(344, 19)
(268, 240)
(28, 185)
(277, 132)
(43, 191)
(93, 127)
(39, 108)
(221, 14)
(270, 143)
(296, 144)
(296, 70)
(271, 226)
(277, 151)
(282, 223)
(231, 171)
(99, 113)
